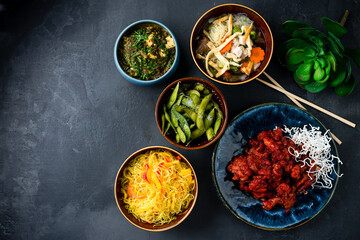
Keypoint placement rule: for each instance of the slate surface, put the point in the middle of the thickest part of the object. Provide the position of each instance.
(68, 120)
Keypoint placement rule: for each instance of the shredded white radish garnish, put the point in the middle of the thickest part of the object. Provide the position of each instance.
(317, 146)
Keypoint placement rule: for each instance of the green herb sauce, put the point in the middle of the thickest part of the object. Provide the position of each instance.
(146, 52)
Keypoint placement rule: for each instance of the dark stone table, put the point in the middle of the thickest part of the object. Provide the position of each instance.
(68, 120)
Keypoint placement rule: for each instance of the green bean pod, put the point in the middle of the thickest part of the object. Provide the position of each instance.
(217, 124)
(178, 102)
(188, 102)
(167, 117)
(177, 138)
(181, 134)
(201, 111)
(210, 134)
(191, 114)
(209, 120)
(167, 128)
(206, 91)
(199, 87)
(196, 133)
(173, 96)
(209, 106)
(195, 98)
(182, 122)
(218, 109)
(162, 122)
(193, 91)
(174, 119)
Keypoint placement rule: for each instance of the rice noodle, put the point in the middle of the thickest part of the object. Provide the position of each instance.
(317, 146)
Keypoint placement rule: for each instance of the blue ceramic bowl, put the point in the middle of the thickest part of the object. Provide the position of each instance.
(164, 77)
(235, 139)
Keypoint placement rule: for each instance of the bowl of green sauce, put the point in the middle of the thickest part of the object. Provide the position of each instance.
(146, 53)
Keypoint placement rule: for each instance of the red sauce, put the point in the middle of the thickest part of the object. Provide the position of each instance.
(269, 172)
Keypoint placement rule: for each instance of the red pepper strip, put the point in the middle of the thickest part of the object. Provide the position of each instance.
(158, 171)
(167, 158)
(178, 158)
(144, 176)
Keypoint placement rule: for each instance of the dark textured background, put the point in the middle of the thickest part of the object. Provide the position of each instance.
(68, 120)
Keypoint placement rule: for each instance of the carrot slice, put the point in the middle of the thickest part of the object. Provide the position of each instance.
(257, 54)
(226, 48)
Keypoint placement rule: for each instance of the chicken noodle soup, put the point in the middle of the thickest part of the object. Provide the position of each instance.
(231, 47)
(146, 52)
(156, 186)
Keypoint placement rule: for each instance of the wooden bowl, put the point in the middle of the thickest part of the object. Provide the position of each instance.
(217, 96)
(234, 8)
(143, 225)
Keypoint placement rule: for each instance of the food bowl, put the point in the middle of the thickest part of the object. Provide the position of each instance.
(235, 140)
(130, 217)
(217, 97)
(137, 81)
(259, 22)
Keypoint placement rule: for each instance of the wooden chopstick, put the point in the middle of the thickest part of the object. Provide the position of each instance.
(343, 120)
(337, 140)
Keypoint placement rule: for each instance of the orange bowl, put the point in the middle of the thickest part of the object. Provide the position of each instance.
(143, 225)
(218, 98)
(234, 8)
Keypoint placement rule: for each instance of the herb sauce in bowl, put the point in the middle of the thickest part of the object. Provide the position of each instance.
(146, 51)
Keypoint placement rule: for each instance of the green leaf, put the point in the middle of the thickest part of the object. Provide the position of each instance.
(317, 41)
(354, 54)
(300, 80)
(295, 56)
(324, 79)
(334, 48)
(309, 52)
(316, 65)
(342, 73)
(305, 68)
(315, 87)
(321, 61)
(331, 58)
(307, 33)
(327, 66)
(337, 77)
(346, 88)
(337, 41)
(319, 74)
(291, 43)
(290, 26)
(334, 27)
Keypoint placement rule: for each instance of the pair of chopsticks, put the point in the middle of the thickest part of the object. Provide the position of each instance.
(297, 101)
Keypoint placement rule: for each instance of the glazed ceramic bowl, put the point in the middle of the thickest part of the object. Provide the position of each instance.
(148, 226)
(233, 8)
(217, 97)
(235, 140)
(159, 80)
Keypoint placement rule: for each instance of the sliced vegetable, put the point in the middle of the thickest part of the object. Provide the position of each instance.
(226, 48)
(257, 54)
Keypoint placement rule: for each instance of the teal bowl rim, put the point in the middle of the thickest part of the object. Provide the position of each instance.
(225, 202)
(154, 81)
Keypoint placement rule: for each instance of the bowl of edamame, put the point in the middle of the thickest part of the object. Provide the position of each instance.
(191, 113)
